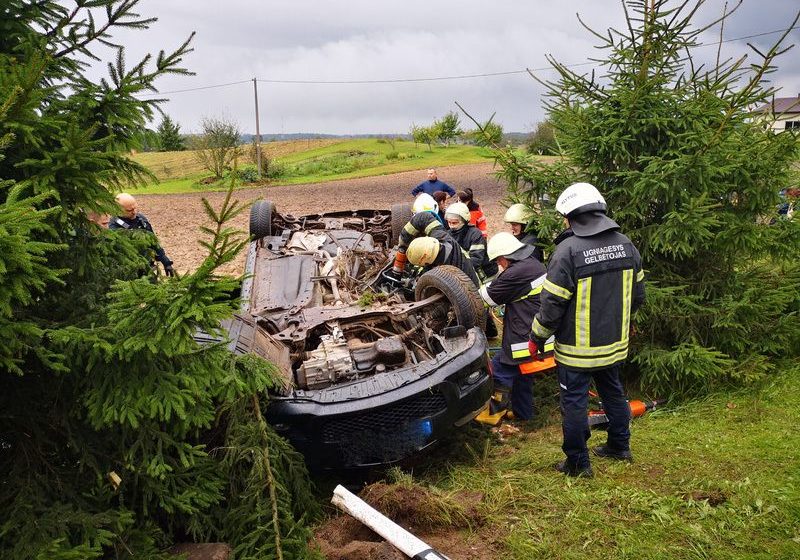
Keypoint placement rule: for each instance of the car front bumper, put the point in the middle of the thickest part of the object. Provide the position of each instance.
(387, 417)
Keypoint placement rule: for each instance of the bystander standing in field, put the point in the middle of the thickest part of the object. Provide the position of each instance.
(130, 219)
(432, 185)
(476, 217)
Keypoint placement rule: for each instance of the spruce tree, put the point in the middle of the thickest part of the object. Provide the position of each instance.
(119, 433)
(169, 136)
(693, 177)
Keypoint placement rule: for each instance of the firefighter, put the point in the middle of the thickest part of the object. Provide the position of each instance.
(424, 222)
(472, 241)
(517, 287)
(429, 252)
(594, 283)
(130, 219)
(518, 216)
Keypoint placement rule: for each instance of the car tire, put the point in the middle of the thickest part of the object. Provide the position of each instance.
(401, 215)
(261, 213)
(458, 289)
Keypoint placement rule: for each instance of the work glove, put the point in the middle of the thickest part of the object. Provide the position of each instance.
(168, 270)
(536, 348)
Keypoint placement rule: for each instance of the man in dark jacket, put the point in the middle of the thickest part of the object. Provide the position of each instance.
(517, 287)
(131, 219)
(432, 185)
(594, 283)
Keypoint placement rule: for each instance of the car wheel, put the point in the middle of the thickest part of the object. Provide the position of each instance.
(462, 305)
(261, 218)
(401, 215)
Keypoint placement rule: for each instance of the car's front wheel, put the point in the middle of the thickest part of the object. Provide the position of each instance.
(462, 304)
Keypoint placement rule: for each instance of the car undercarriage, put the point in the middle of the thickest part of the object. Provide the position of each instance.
(374, 369)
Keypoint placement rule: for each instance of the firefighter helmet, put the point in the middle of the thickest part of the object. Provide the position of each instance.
(517, 214)
(423, 251)
(458, 209)
(502, 244)
(424, 203)
(580, 198)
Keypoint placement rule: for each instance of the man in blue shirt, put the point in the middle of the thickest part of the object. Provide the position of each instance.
(432, 185)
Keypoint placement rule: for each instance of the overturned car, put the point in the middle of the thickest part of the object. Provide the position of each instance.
(375, 370)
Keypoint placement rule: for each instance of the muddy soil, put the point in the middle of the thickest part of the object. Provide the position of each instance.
(452, 525)
(177, 218)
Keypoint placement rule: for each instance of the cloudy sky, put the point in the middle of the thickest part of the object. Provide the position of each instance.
(378, 40)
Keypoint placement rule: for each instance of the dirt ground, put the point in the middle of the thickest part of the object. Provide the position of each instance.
(177, 218)
(452, 525)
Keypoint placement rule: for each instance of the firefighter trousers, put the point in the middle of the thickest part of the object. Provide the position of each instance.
(574, 384)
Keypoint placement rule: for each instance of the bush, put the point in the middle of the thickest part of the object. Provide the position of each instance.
(392, 156)
(688, 174)
(247, 174)
(217, 146)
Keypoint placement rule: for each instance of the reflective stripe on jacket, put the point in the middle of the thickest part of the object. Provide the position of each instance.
(421, 224)
(593, 286)
(471, 240)
(518, 287)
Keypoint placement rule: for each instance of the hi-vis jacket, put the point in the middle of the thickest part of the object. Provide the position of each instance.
(518, 288)
(593, 285)
(421, 224)
(472, 241)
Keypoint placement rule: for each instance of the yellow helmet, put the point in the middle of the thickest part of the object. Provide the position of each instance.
(502, 244)
(424, 203)
(423, 251)
(517, 214)
(458, 209)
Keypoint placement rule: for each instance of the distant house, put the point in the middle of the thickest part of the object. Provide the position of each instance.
(785, 111)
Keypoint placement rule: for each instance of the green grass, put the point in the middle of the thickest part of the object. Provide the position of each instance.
(348, 159)
(718, 478)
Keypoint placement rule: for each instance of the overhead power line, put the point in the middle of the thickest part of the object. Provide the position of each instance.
(440, 78)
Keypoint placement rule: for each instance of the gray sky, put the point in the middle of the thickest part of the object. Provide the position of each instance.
(371, 40)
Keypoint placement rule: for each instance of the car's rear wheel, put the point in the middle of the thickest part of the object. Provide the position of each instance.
(462, 304)
(261, 218)
(401, 215)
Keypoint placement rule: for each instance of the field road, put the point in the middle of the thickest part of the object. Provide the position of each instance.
(177, 218)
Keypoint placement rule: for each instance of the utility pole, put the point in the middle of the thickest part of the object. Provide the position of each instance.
(258, 130)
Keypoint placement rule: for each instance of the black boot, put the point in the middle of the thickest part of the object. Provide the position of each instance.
(611, 453)
(565, 468)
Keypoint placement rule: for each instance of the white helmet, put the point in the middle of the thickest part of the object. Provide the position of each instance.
(458, 209)
(502, 244)
(517, 214)
(580, 198)
(424, 203)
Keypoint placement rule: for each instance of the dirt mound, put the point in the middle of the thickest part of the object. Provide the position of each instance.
(419, 509)
(436, 519)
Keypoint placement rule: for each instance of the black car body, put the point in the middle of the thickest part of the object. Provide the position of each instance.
(375, 369)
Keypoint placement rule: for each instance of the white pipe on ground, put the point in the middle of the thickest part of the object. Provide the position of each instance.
(407, 543)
